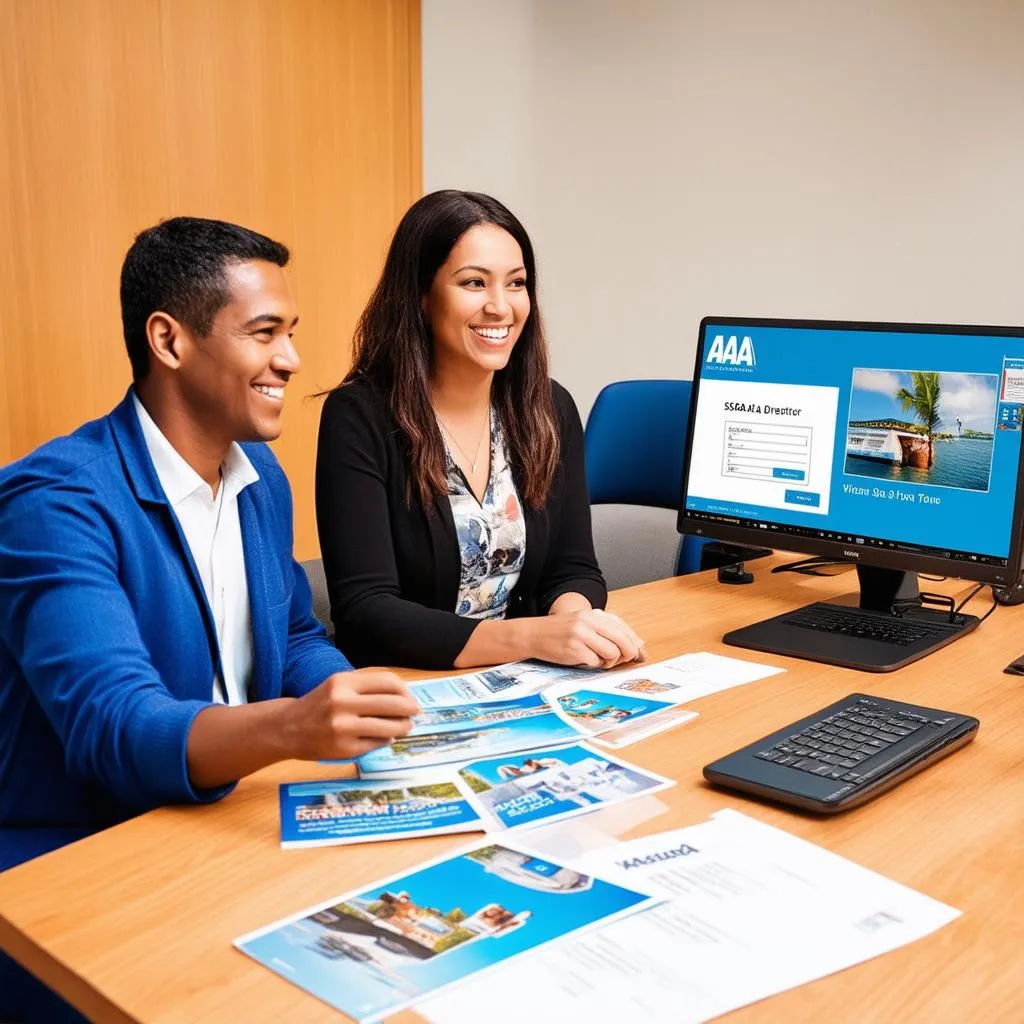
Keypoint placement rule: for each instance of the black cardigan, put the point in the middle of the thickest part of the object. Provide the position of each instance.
(393, 571)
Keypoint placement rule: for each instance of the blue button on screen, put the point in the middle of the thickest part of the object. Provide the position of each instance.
(785, 473)
(803, 498)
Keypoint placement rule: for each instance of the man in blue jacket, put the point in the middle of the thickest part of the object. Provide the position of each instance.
(157, 641)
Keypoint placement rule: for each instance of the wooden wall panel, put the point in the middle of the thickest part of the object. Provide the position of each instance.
(299, 118)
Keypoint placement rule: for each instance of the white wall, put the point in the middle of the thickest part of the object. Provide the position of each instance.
(673, 158)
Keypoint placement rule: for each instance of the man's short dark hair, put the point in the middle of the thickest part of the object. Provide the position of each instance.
(177, 268)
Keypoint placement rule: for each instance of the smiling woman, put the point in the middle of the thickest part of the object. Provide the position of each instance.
(451, 500)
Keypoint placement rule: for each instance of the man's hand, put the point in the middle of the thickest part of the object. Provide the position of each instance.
(349, 714)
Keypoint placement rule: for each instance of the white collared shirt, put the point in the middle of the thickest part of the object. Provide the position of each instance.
(214, 535)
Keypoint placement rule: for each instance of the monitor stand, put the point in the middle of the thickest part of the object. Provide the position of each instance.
(887, 625)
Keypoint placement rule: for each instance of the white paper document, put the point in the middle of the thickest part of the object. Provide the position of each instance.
(751, 911)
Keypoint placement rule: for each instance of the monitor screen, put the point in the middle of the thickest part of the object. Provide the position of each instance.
(896, 445)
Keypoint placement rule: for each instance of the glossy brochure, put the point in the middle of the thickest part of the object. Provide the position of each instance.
(385, 946)
(543, 787)
(337, 812)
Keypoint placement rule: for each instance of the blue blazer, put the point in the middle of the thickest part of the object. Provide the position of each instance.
(108, 648)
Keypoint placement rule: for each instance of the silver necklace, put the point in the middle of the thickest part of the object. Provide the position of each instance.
(479, 441)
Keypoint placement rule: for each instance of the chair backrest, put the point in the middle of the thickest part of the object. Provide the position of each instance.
(314, 569)
(634, 443)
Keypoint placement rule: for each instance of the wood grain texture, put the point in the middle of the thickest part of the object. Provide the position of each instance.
(300, 119)
(136, 923)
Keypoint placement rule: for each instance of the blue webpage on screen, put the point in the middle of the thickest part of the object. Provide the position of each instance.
(908, 436)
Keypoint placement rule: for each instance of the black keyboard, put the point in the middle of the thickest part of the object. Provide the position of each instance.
(855, 622)
(835, 747)
(844, 754)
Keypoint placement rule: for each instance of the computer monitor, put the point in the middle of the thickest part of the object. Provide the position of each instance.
(893, 446)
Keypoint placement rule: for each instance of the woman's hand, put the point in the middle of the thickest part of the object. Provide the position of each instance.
(588, 637)
(567, 635)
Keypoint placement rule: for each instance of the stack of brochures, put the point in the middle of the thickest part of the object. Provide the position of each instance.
(529, 705)
(501, 748)
(677, 928)
(509, 791)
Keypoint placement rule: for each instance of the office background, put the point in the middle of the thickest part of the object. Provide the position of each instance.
(669, 157)
(300, 118)
(674, 158)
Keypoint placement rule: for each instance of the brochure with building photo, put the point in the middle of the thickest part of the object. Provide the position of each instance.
(445, 735)
(336, 812)
(544, 786)
(385, 946)
(503, 682)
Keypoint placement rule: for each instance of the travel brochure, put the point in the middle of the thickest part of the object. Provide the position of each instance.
(444, 735)
(516, 679)
(510, 791)
(510, 757)
(525, 705)
(545, 786)
(336, 812)
(383, 947)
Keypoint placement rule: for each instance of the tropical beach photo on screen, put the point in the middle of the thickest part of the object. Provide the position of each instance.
(922, 427)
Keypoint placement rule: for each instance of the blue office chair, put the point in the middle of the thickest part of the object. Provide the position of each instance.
(634, 444)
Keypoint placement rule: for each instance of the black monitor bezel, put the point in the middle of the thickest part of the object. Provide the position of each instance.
(882, 557)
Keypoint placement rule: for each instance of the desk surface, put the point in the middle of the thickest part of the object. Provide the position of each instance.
(135, 924)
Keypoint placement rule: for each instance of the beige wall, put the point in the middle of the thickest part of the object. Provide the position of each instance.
(673, 158)
(300, 119)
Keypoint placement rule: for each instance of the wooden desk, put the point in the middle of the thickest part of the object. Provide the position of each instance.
(136, 923)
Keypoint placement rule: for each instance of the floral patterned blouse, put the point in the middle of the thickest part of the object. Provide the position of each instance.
(492, 534)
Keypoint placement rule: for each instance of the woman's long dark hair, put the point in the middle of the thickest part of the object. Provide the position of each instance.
(393, 347)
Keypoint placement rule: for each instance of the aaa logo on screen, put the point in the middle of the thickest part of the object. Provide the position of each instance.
(732, 351)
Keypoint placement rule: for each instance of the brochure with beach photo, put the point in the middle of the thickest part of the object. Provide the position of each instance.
(545, 786)
(383, 947)
(610, 707)
(336, 812)
(445, 735)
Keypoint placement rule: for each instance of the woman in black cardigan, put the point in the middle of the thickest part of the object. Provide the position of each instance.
(451, 499)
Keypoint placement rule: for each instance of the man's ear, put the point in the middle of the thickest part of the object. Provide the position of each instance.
(166, 339)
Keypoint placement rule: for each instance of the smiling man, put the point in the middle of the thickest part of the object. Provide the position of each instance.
(157, 640)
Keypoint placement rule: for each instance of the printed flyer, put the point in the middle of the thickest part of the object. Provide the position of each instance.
(444, 735)
(386, 946)
(503, 682)
(336, 812)
(545, 786)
